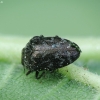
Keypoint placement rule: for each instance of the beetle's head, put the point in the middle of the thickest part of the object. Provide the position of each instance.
(76, 52)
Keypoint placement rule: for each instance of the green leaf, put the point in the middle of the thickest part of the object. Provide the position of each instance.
(15, 85)
(68, 83)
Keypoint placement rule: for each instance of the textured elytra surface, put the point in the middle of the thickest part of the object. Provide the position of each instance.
(49, 53)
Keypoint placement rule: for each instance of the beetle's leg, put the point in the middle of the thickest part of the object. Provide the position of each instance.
(24, 69)
(37, 73)
(28, 72)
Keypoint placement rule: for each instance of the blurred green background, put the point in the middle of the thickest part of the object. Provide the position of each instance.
(50, 17)
(20, 20)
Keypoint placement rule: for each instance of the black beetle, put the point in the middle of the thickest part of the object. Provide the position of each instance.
(48, 53)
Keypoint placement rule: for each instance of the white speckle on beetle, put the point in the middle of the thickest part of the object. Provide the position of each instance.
(45, 68)
(53, 45)
(68, 46)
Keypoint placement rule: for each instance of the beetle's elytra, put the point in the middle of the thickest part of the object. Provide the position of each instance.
(48, 53)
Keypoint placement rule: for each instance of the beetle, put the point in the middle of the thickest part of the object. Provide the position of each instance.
(48, 53)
